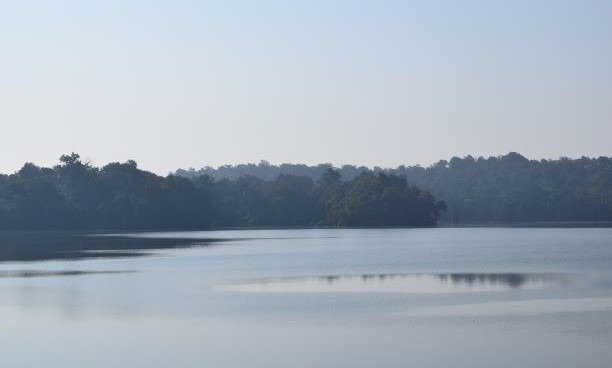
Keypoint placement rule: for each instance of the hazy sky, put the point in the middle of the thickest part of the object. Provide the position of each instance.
(191, 83)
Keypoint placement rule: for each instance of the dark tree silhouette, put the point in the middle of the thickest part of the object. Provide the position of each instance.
(76, 195)
(507, 188)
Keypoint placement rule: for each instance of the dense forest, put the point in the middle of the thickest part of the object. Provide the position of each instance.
(509, 188)
(76, 195)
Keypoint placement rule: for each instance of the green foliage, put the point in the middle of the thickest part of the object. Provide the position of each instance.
(512, 188)
(378, 199)
(75, 195)
(507, 188)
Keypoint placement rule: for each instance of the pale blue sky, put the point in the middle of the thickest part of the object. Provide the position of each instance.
(191, 83)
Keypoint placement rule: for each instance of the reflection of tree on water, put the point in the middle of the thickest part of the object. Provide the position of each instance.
(36, 246)
(513, 280)
(36, 273)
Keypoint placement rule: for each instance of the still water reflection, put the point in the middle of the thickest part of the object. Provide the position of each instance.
(403, 283)
(325, 298)
(52, 273)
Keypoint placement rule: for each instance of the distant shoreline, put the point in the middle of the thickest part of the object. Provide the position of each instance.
(538, 224)
(442, 225)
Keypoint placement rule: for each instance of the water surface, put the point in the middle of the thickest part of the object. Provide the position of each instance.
(308, 298)
(443, 283)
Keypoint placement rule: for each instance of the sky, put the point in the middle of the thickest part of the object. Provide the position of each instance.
(192, 83)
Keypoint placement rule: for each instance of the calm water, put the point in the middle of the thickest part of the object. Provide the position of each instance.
(310, 298)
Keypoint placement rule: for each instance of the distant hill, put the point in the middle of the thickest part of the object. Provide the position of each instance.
(508, 188)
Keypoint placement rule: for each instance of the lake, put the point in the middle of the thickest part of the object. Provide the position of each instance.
(438, 297)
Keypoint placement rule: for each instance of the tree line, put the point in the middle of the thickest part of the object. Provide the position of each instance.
(512, 188)
(507, 188)
(77, 195)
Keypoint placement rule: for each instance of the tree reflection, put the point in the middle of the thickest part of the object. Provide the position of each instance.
(511, 280)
